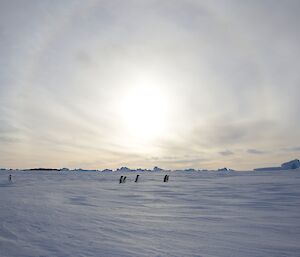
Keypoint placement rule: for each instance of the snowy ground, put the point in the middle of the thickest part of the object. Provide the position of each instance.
(195, 214)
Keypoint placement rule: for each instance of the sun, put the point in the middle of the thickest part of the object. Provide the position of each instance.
(144, 112)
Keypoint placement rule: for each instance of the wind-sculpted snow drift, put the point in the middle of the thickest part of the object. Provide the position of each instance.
(195, 214)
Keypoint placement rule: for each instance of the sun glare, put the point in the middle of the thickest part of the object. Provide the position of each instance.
(144, 112)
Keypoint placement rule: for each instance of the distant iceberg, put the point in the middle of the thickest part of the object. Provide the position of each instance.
(291, 165)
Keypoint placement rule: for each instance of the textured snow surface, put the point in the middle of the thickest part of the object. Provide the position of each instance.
(195, 214)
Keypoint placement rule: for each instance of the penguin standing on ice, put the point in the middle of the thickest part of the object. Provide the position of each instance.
(166, 178)
(121, 180)
(124, 179)
(9, 178)
(137, 178)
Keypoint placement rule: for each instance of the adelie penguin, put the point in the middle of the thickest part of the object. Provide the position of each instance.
(166, 178)
(124, 179)
(137, 178)
(121, 180)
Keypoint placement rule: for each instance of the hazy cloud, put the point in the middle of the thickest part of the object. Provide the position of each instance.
(226, 153)
(255, 151)
(293, 149)
(220, 67)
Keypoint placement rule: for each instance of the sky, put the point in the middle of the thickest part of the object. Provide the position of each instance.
(171, 83)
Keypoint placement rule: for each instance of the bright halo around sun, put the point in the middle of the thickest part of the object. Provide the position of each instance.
(145, 113)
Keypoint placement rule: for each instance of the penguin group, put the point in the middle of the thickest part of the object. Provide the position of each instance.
(122, 179)
(166, 178)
